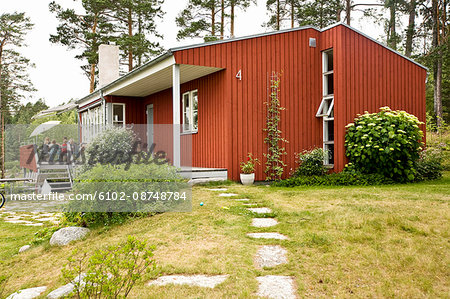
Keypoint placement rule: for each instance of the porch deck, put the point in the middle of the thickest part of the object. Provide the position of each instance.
(199, 175)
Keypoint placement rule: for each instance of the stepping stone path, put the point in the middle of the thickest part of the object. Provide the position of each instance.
(270, 256)
(31, 219)
(260, 210)
(277, 236)
(27, 293)
(227, 194)
(242, 199)
(264, 222)
(218, 189)
(274, 286)
(204, 281)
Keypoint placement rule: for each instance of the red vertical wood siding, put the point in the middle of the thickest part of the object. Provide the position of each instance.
(232, 112)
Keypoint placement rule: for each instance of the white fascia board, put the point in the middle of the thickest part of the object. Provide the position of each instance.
(167, 62)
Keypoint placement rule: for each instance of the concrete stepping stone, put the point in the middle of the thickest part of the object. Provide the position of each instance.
(276, 287)
(227, 194)
(242, 199)
(27, 293)
(218, 189)
(270, 256)
(264, 222)
(276, 236)
(205, 281)
(260, 210)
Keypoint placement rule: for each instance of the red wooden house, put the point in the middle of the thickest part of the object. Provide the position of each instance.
(217, 90)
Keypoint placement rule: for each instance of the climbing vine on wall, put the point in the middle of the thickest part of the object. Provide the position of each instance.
(275, 152)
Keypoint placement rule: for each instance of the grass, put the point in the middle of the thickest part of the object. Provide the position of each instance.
(384, 241)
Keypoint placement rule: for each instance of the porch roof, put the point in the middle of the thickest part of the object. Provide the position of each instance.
(149, 79)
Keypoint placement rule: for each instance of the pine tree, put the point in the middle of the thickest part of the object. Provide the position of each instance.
(14, 80)
(319, 13)
(83, 31)
(200, 19)
(237, 4)
(135, 23)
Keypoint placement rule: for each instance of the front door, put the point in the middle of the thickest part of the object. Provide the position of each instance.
(150, 132)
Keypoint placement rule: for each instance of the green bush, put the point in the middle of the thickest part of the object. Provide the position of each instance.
(336, 179)
(429, 166)
(127, 182)
(112, 146)
(387, 143)
(310, 163)
(110, 272)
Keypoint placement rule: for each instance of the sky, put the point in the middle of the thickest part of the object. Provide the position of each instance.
(58, 76)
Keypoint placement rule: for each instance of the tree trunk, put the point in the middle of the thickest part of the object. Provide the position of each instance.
(278, 14)
(1, 115)
(213, 19)
(411, 28)
(92, 79)
(130, 46)
(437, 72)
(222, 19)
(348, 11)
(391, 34)
(232, 19)
(292, 13)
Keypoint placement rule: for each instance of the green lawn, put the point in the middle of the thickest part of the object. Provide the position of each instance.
(387, 241)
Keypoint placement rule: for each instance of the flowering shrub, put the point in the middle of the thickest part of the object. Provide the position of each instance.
(112, 146)
(249, 166)
(387, 143)
(310, 163)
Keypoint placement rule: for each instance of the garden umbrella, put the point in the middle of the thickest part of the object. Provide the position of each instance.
(44, 127)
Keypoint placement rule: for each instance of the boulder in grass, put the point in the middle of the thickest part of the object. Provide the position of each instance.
(24, 248)
(67, 289)
(27, 293)
(66, 235)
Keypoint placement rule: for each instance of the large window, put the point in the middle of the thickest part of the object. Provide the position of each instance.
(326, 108)
(118, 115)
(92, 122)
(190, 111)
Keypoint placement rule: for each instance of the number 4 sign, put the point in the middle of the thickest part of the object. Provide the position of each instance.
(239, 75)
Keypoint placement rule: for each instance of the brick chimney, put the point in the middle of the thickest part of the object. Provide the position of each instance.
(108, 64)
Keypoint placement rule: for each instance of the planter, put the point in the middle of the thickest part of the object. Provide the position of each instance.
(247, 179)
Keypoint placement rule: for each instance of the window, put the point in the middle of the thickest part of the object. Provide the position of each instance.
(190, 111)
(326, 108)
(118, 115)
(92, 122)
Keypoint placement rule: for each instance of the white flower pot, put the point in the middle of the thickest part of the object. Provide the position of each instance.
(247, 179)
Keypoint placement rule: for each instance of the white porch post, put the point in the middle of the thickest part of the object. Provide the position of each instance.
(176, 114)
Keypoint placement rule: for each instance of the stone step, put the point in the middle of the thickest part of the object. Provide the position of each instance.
(276, 236)
(276, 287)
(260, 210)
(264, 222)
(270, 256)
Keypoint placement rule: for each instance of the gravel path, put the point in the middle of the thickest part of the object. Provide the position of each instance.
(271, 256)
(204, 281)
(276, 287)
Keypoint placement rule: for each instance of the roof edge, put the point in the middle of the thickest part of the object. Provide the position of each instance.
(374, 40)
(127, 75)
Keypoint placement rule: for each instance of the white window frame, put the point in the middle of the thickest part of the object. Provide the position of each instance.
(327, 116)
(92, 122)
(193, 128)
(114, 122)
